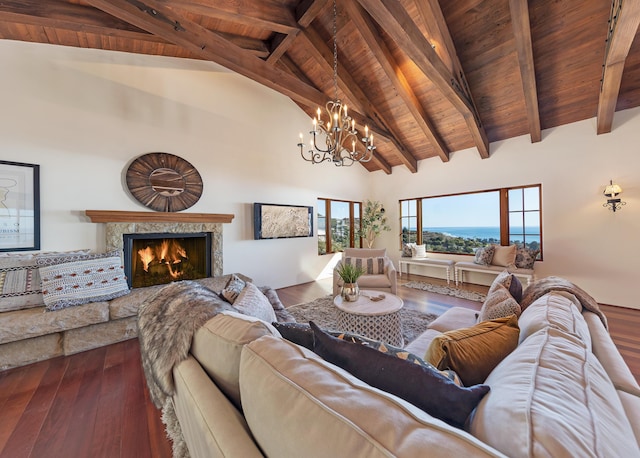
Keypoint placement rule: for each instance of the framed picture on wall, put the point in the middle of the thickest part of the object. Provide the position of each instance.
(275, 221)
(19, 206)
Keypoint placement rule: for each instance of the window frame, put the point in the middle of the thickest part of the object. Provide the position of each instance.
(505, 212)
(354, 240)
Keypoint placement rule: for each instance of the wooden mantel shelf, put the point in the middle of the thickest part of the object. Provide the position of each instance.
(114, 216)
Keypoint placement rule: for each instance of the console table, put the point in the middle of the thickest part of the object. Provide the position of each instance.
(446, 264)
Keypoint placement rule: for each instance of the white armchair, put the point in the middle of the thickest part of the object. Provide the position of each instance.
(386, 281)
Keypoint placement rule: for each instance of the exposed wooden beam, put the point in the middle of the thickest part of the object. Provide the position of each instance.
(270, 16)
(279, 45)
(365, 25)
(62, 14)
(152, 16)
(438, 33)
(623, 25)
(395, 20)
(439, 36)
(308, 10)
(522, 32)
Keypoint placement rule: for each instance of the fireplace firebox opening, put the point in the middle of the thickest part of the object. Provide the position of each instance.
(159, 258)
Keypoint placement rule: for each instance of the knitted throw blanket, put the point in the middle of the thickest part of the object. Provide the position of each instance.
(167, 322)
(546, 285)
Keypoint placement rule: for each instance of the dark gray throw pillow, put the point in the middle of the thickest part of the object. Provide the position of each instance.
(421, 386)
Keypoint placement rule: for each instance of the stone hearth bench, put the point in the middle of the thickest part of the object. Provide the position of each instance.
(35, 334)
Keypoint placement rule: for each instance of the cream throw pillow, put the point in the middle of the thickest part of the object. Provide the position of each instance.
(504, 256)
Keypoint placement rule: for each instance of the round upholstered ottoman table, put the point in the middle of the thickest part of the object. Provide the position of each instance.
(375, 315)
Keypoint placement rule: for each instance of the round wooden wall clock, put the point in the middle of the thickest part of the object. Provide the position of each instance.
(164, 182)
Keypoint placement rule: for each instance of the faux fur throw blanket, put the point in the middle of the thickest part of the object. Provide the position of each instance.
(546, 285)
(166, 323)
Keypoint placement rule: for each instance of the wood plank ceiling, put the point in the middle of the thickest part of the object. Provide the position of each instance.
(427, 77)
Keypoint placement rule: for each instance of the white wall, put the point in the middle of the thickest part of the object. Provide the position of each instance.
(597, 249)
(84, 115)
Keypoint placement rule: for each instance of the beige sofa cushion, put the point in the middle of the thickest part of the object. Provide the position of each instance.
(609, 356)
(551, 397)
(631, 403)
(210, 424)
(218, 343)
(297, 404)
(560, 310)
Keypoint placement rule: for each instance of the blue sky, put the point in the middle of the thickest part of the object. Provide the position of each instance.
(478, 209)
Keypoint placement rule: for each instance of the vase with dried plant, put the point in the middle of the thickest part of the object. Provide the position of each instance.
(349, 273)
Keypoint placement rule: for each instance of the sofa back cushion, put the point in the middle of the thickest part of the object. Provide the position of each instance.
(552, 397)
(364, 252)
(557, 309)
(218, 343)
(297, 404)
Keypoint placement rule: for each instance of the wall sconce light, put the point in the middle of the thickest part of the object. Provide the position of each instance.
(611, 191)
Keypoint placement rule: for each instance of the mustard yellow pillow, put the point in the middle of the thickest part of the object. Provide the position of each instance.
(473, 352)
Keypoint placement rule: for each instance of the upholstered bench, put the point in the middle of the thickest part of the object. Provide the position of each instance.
(446, 264)
(462, 267)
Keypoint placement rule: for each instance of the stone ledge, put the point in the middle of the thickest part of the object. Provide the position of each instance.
(24, 324)
(99, 335)
(27, 351)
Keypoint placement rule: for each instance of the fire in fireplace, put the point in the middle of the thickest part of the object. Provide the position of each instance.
(155, 259)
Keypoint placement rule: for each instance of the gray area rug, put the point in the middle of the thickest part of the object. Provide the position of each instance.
(323, 313)
(448, 290)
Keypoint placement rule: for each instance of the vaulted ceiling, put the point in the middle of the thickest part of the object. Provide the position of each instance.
(427, 77)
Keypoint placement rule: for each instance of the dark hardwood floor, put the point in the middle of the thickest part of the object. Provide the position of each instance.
(96, 403)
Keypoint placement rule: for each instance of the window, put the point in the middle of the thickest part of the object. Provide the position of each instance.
(460, 223)
(343, 218)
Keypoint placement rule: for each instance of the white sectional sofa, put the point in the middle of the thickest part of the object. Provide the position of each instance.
(565, 390)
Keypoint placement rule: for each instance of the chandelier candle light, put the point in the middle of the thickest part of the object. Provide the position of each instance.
(340, 128)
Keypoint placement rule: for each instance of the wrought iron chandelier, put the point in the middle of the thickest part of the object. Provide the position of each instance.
(341, 136)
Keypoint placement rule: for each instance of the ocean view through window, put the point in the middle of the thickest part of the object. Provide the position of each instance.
(461, 223)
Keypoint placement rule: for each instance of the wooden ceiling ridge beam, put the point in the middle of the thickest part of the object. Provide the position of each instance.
(383, 54)
(308, 10)
(268, 16)
(324, 56)
(438, 31)
(397, 23)
(153, 17)
(623, 26)
(521, 26)
(62, 14)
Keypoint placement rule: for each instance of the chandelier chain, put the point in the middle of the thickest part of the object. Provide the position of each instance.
(335, 49)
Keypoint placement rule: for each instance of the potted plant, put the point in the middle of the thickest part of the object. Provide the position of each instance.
(349, 273)
(373, 222)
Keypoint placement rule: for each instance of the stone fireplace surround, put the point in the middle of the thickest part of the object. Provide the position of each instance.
(32, 334)
(121, 222)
